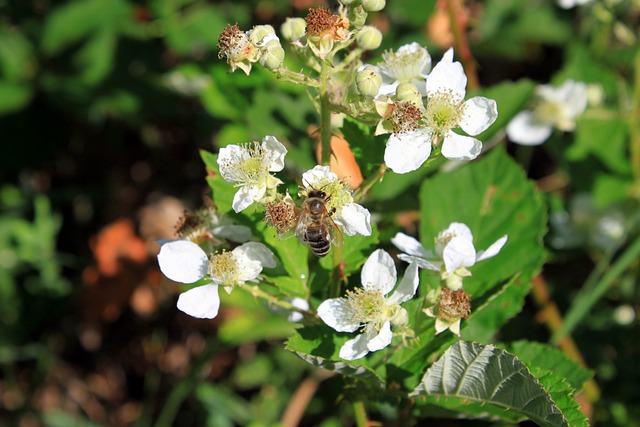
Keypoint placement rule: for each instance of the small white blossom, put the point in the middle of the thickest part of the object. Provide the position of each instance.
(454, 253)
(249, 166)
(353, 218)
(444, 110)
(568, 4)
(555, 108)
(372, 307)
(186, 262)
(411, 63)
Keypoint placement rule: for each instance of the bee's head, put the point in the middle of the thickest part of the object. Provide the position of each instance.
(317, 193)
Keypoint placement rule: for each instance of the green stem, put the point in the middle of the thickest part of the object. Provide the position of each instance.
(367, 184)
(588, 297)
(299, 78)
(271, 299)
(360, 414)
(634, 126)
(325, 115)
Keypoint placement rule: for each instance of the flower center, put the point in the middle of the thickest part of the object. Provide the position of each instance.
(223, 268)
(406, 117)
(250, 165)
(547, 112)
(234, 44)
(281, 215)
(454, 305)
(321, 22)
(444, 111)
(366, 307)
(406, 64)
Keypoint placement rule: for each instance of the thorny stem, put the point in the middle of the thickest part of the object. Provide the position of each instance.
(294, 77)
(553, 319)
(325, 115)
(271, 299)
(462, 44)
(367, 184)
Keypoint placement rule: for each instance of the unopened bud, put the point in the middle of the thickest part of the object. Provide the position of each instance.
(369, 38)
(358, 16)
(346, 2)
(293, 29)
(373, 5)
(400, 317)
(409, 92)
(368, 81)
(272, 55)
(259, 32)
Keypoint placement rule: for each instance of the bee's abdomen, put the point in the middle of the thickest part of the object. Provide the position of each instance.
(318, 242)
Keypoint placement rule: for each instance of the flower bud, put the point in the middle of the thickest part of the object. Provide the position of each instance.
(373, 5)
(346, 2)
(272, 55)
(369, 38)
(293, 29)
(368, 81)
(400, 317)
(259, 32)
(358, 16)
(409, 92)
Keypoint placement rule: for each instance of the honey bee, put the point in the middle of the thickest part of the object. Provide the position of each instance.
(315, 227)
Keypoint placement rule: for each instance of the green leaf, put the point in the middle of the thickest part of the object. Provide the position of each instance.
(551, 359)
(14, 96)
(604, 138)
(491, 376)
(511, 98)
(367, 149)
(222, 191)
(319, 346)
(75, 21)
(96, 58)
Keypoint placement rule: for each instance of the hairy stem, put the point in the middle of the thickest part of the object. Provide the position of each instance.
(461, 43)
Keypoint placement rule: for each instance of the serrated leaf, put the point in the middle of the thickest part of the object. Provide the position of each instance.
(590, 134)
(489, 375)
(551, 359)
(222, 191)
(319, 346)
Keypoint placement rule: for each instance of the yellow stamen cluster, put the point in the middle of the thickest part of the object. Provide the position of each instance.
(223, 268)
(454, 305)
(251, 166)
(444, 111)
(366, 307)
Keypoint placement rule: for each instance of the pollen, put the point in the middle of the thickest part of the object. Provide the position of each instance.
(250, 165)
(406, 117)
(366, 307)
(404, 65)
(280, 215)
(444, 111)
(454, 304)
(224, 268)
(234, 44)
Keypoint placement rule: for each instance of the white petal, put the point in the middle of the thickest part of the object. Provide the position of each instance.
(458, 147)
(525, 130)
(257, 252)
(459, 229)
(447, 76)
(183, 261)
(411, 246)
(248, 269)
(202, 302)
(379, 272)
(492, 250)
(317, 174)
(301, 304)
(230, 155)
(422, 263)
(479, 114)
(455, 327)
(406, 152)
(245, 196)
(235, 233)
(355, 348)
(407, 287)
(354, 219)
(336, 314)
(459, 252)
(382, 339)
(277, 151)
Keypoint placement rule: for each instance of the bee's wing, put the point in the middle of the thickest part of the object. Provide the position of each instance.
(335, 232)
(300, 230)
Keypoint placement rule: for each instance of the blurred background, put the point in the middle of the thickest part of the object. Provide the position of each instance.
(104, 106)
